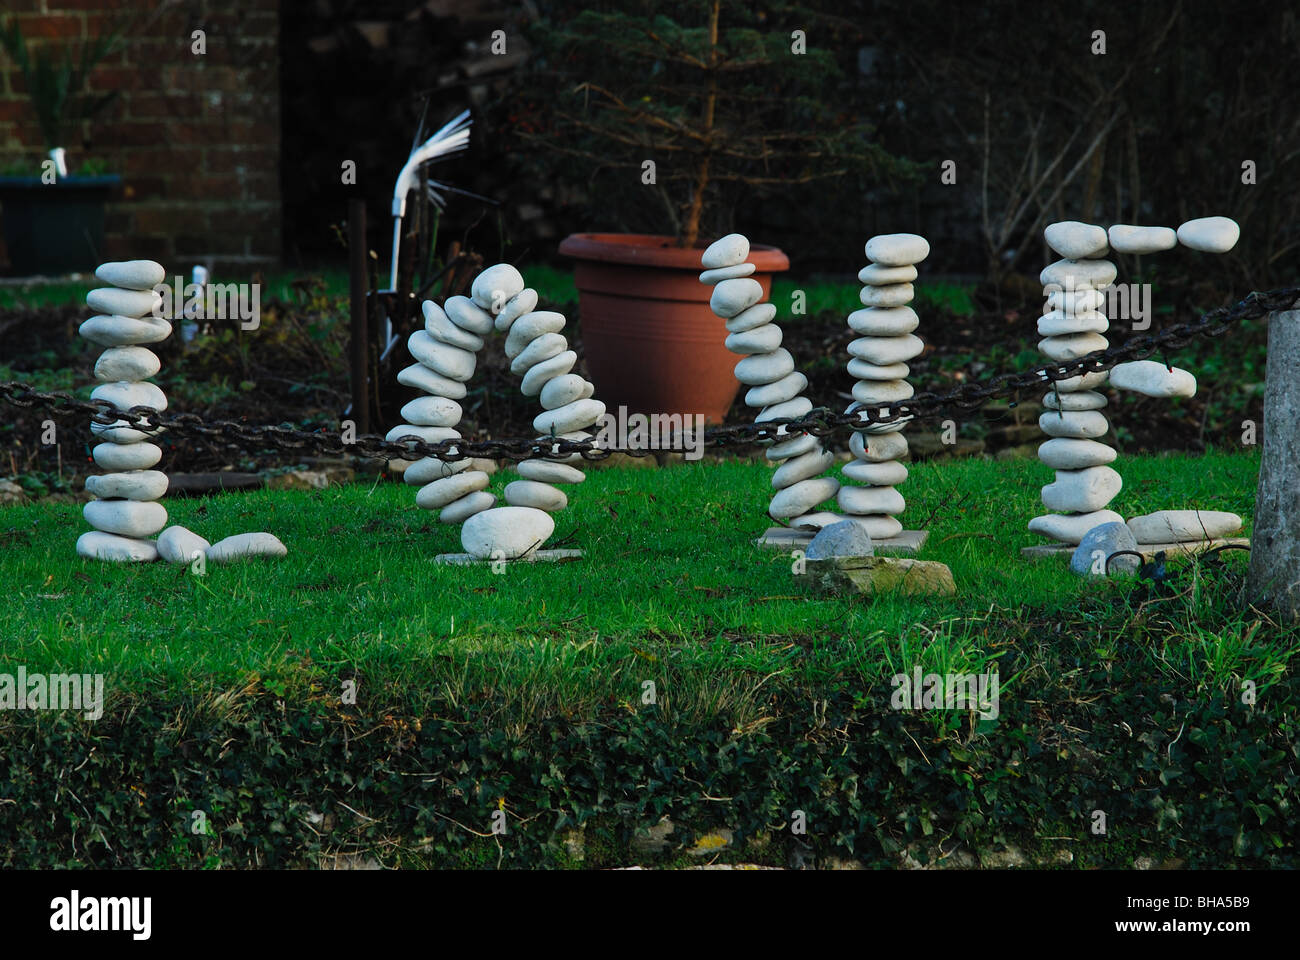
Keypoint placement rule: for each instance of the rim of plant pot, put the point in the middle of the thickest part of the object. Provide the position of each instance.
(652, 250)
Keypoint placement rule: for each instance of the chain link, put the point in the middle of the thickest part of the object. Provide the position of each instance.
(820, 422)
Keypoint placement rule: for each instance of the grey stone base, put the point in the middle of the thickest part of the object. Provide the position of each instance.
(905, 544)
(1064, 551)
(537, 556)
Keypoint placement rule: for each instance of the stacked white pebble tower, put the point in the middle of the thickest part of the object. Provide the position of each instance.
(126, 511)
(880, 353)
(1072, 326)
(775, 387)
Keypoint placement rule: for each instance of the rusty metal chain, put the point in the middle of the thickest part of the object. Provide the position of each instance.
(819, 422)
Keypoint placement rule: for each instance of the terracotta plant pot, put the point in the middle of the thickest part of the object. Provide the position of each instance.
(651, 342)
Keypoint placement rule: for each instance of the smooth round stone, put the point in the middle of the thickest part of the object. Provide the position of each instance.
(884, 322)
(428, 469)
(130, 518)
(1072, 347)
(876, 275)
(126, 363)
(564, 390)
(1079, 400)
(842, 539)
(97, 545)
(1209, 235)
(878, 448)
(883, 351)
(1074, 240)
(1073, 274)
(866, 501)
(1076, 424)
(876, 392)
(726, 252)
(467, 506)
(125, 394)
(243, 545)
(577, 415)
(438, 493)
(765, 368)
(545, 347)
(444, 360)
(439, 326)
(119, 432)
(789, 410)
(539, 375)
(802, 497)
(468, 315)
(861, 370)
(1058, 324)
(762, 339)
(897, 249)
(525, 301)
(556, 457)
(127, 456)
(547, 471)
(420, 377)
(493, 288)
(794, 447)
(124, 303)
(132, 274)
(1101, 543)
(810, 464)
(1082, 491)
(755, 316)
(179, 545)
(727, 273)
(117, 331)
(432, 412)
(128, 485)
(532, 493)
(506, 532)
(427, 434)
(1152, 379)
(787, 388)
(1071, 527)
(1085, 381)
(884, 474)
(893, 295)
(1076, 301)
(731, 297)
(1184, 526)
(1126, 238)
(529, 327)
(879, 527)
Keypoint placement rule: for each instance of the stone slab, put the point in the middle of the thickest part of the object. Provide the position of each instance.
(906, 544)
(879, 575)
(537, 556)
(1064, 551)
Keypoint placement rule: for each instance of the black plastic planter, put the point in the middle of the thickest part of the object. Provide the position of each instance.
(54, 228)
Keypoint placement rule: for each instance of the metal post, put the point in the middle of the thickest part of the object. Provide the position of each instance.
(359, 345)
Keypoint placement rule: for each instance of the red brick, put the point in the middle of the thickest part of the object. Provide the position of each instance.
(43, 26)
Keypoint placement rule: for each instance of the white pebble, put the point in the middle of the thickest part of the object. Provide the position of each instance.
(525, 301)
(1126, 238)
(731, 297)
(243, 545)
(126, 363)
(179, 545)
(726, 252)
(96, 545)
(132, 274)
(494, 287)
(115, 331)
(1209, 235)
(897, 249)
(420, 377)
(506, 532)
(468, 315)
(129, 485)
(130, 518)
(1074, 240)
(539, 496)
(124, 303)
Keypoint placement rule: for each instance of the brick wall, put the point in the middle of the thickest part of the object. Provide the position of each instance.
(195, 138)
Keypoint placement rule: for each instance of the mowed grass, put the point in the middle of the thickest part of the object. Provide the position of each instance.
(672, 589)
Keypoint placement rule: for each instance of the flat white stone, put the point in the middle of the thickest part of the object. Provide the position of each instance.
(1126, 238)
(1072, 347)
(464, 508)
(525, 301)
(876, 275)
(765, 367)
(468, 315)
(529, 327)
(119, 432)
(116, 331)
(126, 456)
(815, 521)
(545, 347)
(124, 303)
(811, 464)
(427, 434)
(547, 471)
(129, 485)
(124, 395)
(878, 527)
(97, 545)
(794, 447)
(428, 469)
(443, 359)
(132, 274)
(884, 474)
(876, 392)
(493, 288)
(1079, 400)
(1074, 240)
(1059, 324)
(243, 545)
(1082, 491)
(788, 410)
(726, 252)
(762, 339)
(578, 415)
(755, 316)
(506, 532)
(883, 351)
(126, 363)
(438, 493)
(1184, 526)
(1152, 379)
(535, 494)
(1076, 424)
(861, 370)
(1209, 235)
(878, 448)
(727, 273)
(432, 412)
(1085, 381)
(892, 295)
(1076, 301)
(130, 518)
(439, 326)
(539, 375)
(179, 545)
(897, 249)
(867, 501)
(1071, 527)
(731, 297)
(420, 377)
(802, 497)
(1073, 274)
(565, 389)
(884, 322)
